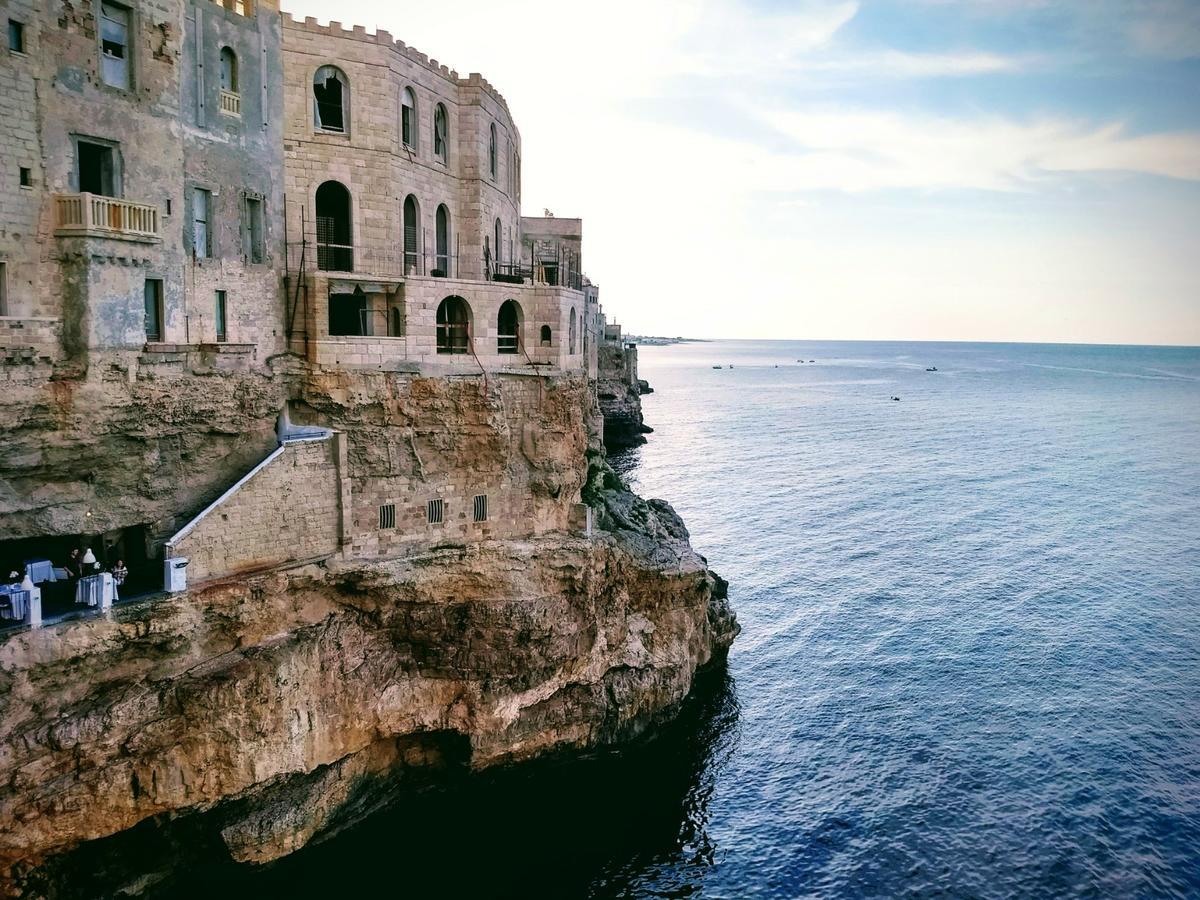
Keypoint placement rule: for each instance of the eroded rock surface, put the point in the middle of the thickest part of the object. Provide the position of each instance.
(266, 703)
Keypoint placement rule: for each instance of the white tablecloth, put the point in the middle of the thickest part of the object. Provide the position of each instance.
(19, 601)
(39, 570)
(96, 590)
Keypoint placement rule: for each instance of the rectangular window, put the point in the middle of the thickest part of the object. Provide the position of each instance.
(480, 508)
(114, 45)
(95, 169)
(16, 36)
(255, 250)
(3, 289)
(220, 319)
(26, 177)
(406, 125)
(154, 309)
(387, 516)
(435, 510)
(201, 233)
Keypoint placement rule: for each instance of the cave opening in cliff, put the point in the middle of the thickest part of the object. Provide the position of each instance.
(126, 545)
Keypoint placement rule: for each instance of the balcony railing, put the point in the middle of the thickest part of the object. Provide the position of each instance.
(231, 103)
(91, 214)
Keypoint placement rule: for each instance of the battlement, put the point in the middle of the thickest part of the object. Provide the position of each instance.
(382, 38)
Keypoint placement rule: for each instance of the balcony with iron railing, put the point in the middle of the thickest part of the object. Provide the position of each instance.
(92, 215)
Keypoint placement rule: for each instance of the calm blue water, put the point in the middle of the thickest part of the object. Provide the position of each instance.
(970, 664)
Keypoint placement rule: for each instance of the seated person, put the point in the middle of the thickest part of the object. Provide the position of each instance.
(119, 573)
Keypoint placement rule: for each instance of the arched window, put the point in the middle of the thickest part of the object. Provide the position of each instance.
(335, 250)
(492, 165)
(395, 323)
(408, 118)
(571, 333)
(229, 71)
(508, 327)
(545, 335)
(331, 100)
(441, 263)
(499, 242)
(453, 326)
(412, 225)
(441, 133)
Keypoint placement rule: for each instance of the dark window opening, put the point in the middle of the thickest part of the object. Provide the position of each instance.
(348, 314)
(411, 224)
(220, 318)
(16, 36)
(96, 169)
(329, 99)
(26, 177)
(335, 251)
(229, 71)
(571, 333)
(396, 323)
(255, 250)
(408, 118)
(453, 326)
(480, 508)
(3, 288)
(441, 133)
(435, 511)
(492, 165)
(545, 335)
(387, 516)
(154, 309)
(499, 242)
(442, 261)
(508, 327)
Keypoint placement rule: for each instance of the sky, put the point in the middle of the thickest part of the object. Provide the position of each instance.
(983, 170)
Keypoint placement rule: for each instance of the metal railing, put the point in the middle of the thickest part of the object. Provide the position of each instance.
(91, 213)
(231, 103)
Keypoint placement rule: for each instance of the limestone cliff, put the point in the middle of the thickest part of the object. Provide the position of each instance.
(257, 712)
(263, 708)
(619, 391)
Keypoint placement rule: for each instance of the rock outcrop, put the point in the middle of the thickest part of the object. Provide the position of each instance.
(260, 712)
(619, 392)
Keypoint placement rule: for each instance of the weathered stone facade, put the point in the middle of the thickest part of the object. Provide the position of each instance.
(378, 446)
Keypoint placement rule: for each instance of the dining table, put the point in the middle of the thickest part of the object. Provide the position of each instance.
(14, 602)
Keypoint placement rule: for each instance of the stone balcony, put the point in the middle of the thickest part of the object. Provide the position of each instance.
(91, 215)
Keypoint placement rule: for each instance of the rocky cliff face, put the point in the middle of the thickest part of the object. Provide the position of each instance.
(259, 713)
(619, 392)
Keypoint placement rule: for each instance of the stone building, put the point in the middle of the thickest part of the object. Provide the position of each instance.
(405, 239)
(142, 184)
(214, 217)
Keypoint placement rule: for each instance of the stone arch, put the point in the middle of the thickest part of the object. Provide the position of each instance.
(408, 118)
(510, 322)
(442, 241)
(454, 326)
(331, 100)
(546, 336)
(411, 227)
(335, 241)
(571, 326)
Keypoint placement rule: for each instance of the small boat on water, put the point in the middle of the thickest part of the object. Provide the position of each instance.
(931, 369)
(717, 367)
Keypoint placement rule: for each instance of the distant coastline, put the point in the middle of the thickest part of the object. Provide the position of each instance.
(650, 340)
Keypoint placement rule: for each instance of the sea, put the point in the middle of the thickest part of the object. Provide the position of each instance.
(970, 657)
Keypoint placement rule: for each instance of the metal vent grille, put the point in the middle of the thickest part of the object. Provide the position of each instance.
(435, 510)
(387, 515)
(481, 508)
